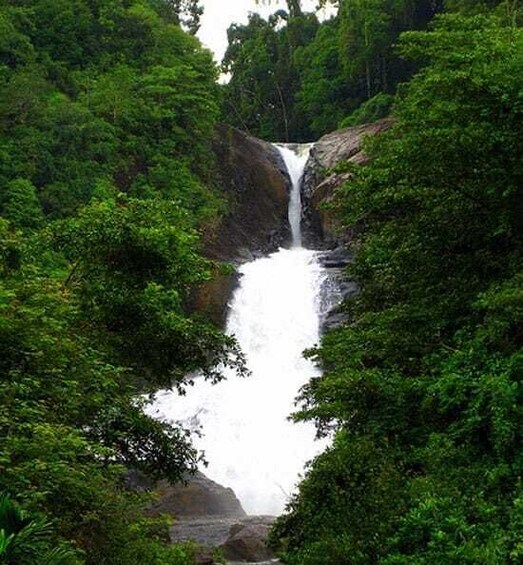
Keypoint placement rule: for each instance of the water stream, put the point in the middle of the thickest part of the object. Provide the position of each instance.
(248, 441)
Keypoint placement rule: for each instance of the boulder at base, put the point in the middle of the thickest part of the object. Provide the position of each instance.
(247, 542)
(242, 540)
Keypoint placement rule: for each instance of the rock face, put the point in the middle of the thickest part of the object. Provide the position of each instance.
(336, 288)
(199, 497)
(254, 182)
(321, 228)
(212, 297)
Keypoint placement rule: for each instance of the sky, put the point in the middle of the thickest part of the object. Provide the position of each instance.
(220, 14)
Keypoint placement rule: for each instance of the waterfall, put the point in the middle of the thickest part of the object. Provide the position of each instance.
(295, 158)
(248, 441)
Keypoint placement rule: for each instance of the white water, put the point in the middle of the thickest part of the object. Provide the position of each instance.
(248, 441)
(295, 161)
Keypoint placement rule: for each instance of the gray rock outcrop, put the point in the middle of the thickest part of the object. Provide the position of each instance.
(321, 228)
(242, 540)
(199, 497)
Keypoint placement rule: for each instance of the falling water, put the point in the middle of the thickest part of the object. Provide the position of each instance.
(248, 441)
(295, 157)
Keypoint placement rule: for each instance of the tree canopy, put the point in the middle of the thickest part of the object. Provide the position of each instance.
(421, 391)
(107, 111)
(294, 78)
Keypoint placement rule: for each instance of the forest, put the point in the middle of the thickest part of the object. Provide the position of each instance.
(108, 110)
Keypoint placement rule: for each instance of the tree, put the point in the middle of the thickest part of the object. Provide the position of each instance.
(293, 77)
(107, 110)
(20, 204)
(260, 96)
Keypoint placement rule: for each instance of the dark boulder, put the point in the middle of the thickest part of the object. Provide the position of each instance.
(339, 257)
(334, 319)
(211, 299)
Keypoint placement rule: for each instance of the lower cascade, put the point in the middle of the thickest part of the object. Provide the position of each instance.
(248, 441)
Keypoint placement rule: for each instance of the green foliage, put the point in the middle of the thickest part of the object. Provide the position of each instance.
(134, 264)
(107, 109)
(260, 97)
(24, 539)
(427, 372)
(323, 93)
(20, 204)
(373, 110)
(293, 78)
(110, 92)
(69, 418)
(347, 503)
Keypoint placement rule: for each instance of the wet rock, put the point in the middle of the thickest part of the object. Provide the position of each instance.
(211, 299)
(337, 288)
(348, 289)
(339, 257)
(200, 497)
(215, 531)
(208, 533)
(252, 178)
(334, 319)
(204, 558)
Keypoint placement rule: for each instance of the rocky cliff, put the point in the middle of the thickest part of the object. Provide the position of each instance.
(321, 228)
(253, 180)
(252, 177)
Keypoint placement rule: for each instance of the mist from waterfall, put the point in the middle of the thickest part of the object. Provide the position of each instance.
(248, 440)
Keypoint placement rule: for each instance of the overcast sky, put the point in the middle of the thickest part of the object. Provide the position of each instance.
(220, 14)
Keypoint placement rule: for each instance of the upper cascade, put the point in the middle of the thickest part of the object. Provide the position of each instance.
(295, 157)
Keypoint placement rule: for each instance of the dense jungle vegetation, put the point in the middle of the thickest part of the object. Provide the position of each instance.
(107, 113)
(422, 390)
(107, 109)
(295, 79)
